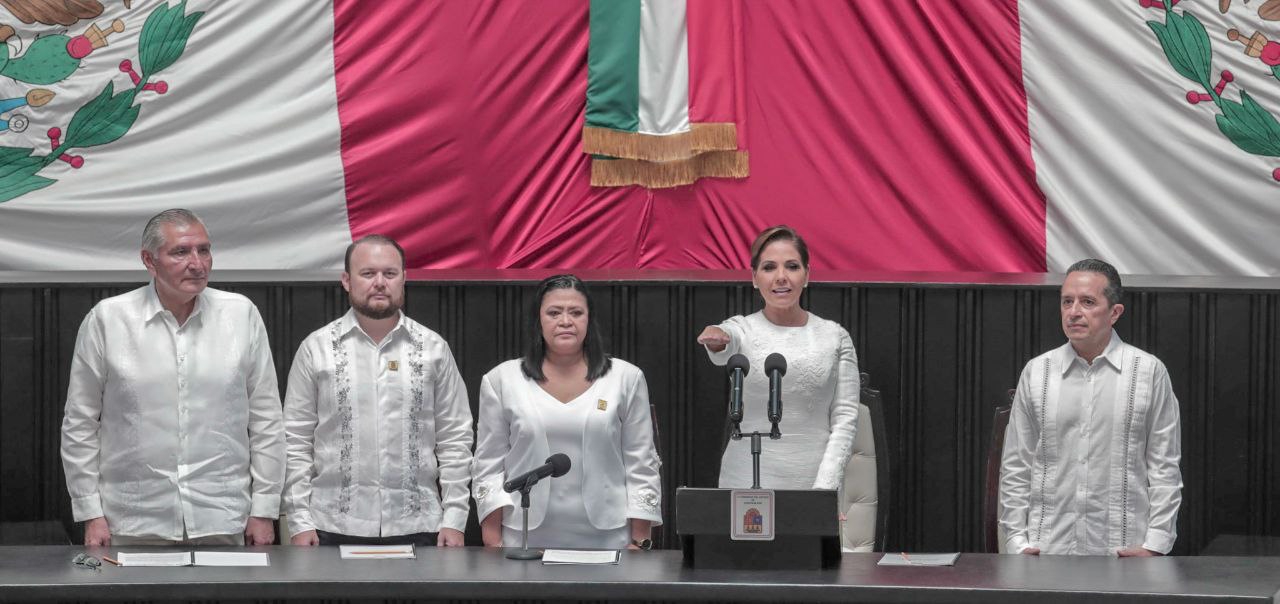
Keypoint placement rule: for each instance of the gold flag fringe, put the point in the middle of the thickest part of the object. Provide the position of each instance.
(663, 175)
(700, 139)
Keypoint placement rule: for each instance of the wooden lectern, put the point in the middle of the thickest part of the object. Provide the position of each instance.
(806, 531)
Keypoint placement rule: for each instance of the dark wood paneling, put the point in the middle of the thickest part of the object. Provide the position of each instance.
(19, 437)
(1269, 366)
(942, 356)
(1173, 338)
(1228, 405)
(936, 347)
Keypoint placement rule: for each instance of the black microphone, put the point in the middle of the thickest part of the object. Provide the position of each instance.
(557, 465)
(739, 367)
(775, 365)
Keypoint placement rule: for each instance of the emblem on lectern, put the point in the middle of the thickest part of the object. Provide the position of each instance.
(753, 521)
(752, 514)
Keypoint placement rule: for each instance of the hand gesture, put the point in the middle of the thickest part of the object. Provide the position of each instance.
(714, 338)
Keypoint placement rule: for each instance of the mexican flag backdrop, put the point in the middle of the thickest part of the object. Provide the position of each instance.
(984, 135)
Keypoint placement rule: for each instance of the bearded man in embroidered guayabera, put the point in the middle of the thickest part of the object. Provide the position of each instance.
(173, 431)
(377, 420)
(1090, 461)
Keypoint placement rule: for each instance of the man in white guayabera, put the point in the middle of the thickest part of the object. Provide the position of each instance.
(1090, 463)
(377, 423)
(173, 430)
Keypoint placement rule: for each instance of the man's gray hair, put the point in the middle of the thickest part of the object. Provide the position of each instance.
(153, 240)
(1113, 291)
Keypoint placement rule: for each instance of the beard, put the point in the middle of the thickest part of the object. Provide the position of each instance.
(376, 314)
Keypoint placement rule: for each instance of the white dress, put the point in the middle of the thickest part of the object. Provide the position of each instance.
(820, 403)
(608, 436)
(566, 524)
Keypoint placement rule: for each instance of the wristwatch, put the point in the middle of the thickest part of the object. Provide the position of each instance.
(644, 544)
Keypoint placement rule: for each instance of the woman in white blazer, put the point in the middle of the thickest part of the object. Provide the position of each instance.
(567, 396)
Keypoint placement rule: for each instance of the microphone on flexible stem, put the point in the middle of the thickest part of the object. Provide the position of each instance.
(738, 367)
(557, 465)
(775, 366)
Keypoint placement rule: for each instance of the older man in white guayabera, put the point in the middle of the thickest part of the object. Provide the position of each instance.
(173, 430)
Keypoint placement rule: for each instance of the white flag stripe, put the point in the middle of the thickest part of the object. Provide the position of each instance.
(664, 67)
(247, 136)
(1131, 171)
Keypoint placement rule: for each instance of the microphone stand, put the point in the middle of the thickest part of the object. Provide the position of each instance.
(524, 553)
(755, 453)
(755, 459)
(774, 434)
(775, 394)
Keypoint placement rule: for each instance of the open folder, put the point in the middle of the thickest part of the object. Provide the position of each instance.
(193, 559)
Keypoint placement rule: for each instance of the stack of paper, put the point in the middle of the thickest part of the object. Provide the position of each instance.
(154, 559)
(231, 559)
(573, 556)
(905, 559)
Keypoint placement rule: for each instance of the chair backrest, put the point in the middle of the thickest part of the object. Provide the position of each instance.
(866, 478)
(991, 489)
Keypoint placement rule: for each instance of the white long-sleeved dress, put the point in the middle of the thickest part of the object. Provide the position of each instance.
(820, 394)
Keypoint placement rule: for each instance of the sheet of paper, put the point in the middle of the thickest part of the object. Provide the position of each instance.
(154, 559)
(375, 552)
(575, 556)
(909, 559)
(232, 559)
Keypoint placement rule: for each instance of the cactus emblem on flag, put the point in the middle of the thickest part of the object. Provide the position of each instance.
(52, 58)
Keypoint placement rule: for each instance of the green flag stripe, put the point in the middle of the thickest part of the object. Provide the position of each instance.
(613, 77)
